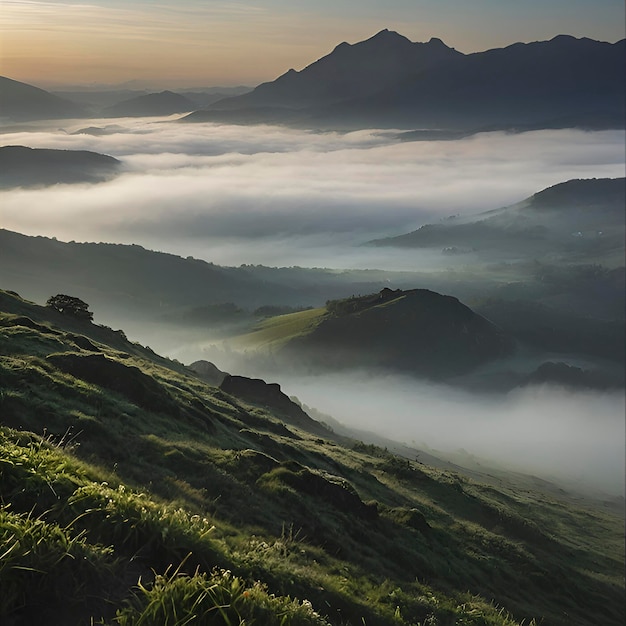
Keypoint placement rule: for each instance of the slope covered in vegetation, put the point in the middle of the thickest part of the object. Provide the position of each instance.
(417, 331)
(132, 492)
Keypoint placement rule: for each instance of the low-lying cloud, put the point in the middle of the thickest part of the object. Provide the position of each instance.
(280, 196)
(575, 437)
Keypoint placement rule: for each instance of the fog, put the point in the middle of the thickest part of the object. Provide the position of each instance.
(280, 196)
(573, 437)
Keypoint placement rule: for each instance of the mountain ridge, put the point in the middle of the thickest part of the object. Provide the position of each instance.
(429, 85)
(23, 102)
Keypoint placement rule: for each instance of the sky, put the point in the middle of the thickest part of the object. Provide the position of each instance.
(192, 43)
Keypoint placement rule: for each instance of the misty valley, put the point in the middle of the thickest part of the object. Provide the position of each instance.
(341, 351)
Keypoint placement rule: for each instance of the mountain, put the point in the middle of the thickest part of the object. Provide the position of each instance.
(134, 492)
(417, 331)
(349, 71)
(387, 81)
(577, 219)
(163, 103)
(23, 102)
(38, 167)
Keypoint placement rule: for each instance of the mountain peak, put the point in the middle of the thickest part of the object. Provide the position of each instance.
(435, 41)
(387, 35)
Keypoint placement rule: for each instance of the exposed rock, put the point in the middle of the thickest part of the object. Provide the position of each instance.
(208, 372)
(269, 395)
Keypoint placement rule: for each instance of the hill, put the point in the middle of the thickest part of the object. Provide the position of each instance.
(132, 491)
(23, 102)
(418, 331)
(162, 103)
(388, 81)
(128, 282)
(38, 167)
(574, 220)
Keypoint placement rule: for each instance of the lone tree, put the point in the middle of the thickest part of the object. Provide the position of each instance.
(68, 305)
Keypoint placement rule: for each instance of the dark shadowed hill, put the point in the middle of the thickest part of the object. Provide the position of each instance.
(576, 220)
(38, 167)
(23, 102)
(123, 282)
(163, 103)
(417, 331)
(388, 81)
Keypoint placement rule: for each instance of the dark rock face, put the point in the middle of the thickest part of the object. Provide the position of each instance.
(208, 372)
(269, 395)
(128, 381)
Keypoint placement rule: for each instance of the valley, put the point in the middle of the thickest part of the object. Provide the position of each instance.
(342, 348)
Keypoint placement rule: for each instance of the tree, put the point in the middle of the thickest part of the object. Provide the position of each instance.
(69, 305)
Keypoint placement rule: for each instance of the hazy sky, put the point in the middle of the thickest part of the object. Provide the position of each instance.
(210, 42)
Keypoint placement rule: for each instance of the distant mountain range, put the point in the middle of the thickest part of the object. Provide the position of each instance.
(37, 167)
(390, 82)
(23, 102)
(163, 103)
(387, 81)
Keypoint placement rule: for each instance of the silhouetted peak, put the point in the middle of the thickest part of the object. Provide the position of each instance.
(342, 46)
(435, 41)
(563, 38)
(386, 36)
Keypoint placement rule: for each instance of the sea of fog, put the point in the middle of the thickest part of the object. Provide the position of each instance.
(279, 196)
(573, 437)
(283, 197)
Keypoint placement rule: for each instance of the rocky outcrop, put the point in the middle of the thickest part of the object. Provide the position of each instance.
(208, 372)
(269, 395)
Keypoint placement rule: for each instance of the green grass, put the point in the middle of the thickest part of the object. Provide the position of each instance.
(275, 332)
(208, 507)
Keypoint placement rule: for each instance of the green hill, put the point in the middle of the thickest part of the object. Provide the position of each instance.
(417, 331)
(132, 492)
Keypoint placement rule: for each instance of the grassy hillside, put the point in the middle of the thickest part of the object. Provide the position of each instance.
(417, 330)
(134, 493)
(275, 332)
